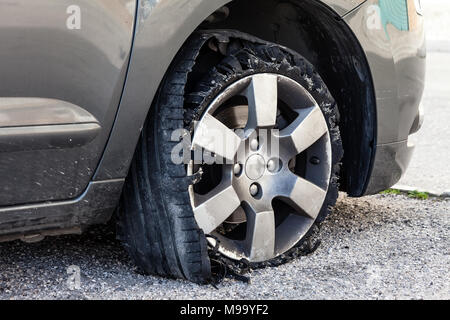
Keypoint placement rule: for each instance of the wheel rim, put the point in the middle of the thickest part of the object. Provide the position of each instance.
(276, 168)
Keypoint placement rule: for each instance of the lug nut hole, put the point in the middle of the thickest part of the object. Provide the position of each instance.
(254, 144)
(237, 169)
(255, 190)
(314, 160)
(274, 165)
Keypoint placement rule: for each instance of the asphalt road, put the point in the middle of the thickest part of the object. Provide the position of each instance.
(378, 247)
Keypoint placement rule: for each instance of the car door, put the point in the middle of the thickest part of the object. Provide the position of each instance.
(62, 70)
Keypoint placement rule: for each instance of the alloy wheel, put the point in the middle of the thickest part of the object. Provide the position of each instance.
(271, 171)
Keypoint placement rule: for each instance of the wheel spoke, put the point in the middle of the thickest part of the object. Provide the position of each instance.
(254, 184)
(262, 96)
(307, 128)
(302, 195)
(213, 136)
(218, 205)
(260, 238)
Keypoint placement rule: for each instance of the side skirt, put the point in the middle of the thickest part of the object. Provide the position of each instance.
(33, 222)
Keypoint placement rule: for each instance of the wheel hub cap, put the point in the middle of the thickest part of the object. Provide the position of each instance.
(255, 167)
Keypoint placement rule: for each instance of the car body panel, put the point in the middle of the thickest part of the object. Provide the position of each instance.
(396, 53)
(31, 222)
(78, 59)
(342, 7)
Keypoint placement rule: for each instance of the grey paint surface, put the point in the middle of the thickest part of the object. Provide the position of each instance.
(71, 216)
(39, 124)
(397, 60)
(40, 57)
(19, 112)
(341, 7)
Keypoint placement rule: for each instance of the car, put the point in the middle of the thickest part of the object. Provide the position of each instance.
(205, 129)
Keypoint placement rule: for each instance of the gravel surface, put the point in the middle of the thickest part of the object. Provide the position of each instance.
(377, 247)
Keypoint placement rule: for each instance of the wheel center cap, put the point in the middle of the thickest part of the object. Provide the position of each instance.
(255, 166)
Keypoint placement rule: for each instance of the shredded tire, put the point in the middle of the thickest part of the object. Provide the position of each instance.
(156, 221)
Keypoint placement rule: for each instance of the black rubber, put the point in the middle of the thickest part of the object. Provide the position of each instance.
(156, 221)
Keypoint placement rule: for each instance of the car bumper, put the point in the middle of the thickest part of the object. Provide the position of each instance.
(391, 162)
(396, 53)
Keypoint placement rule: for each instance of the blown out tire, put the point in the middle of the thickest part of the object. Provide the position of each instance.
(156, 217)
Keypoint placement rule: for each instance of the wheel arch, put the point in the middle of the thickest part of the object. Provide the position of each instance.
(312, 28)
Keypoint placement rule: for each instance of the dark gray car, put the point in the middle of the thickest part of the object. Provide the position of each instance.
(202, 124)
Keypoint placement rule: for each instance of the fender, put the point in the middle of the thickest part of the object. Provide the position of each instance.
(162, 28)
